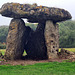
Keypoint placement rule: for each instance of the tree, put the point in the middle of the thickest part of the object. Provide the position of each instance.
(32, 25)
(67, 34)
(3, 33)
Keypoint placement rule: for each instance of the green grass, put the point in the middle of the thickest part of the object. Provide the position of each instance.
(24, 53)
(51, 68)
(70, 49)
(2, 51)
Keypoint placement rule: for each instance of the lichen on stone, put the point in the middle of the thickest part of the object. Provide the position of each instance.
(34, 12)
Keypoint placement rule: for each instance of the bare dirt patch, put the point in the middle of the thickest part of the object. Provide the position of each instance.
(28, 62)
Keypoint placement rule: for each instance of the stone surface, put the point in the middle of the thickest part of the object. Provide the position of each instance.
(72, 58)
(15, 39)
(39, 44)
(34, 13)
(66, 54)
(57, 35)
(51, 38)
(35, 47)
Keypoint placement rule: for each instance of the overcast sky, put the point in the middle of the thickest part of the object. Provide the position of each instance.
(65, 4)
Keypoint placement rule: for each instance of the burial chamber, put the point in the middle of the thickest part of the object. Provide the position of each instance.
(43, 43)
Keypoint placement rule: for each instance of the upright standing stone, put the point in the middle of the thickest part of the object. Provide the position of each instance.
(57, 35)
(15, 40)
(36, 47)
(51, 38)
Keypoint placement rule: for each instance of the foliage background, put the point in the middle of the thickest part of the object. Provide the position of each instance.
(67, 34)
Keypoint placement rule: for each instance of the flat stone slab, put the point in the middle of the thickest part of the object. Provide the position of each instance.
(34, 13)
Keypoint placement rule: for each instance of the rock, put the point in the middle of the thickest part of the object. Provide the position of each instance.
(66, 54)
(62, 50)
(51, 38)
(72, 58)
(69, 52)
(66, 51)
(15, 40)
(34, 13)
(36, 48)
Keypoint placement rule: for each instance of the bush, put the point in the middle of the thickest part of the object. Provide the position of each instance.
(2, 46)
(67, 34)
(3, 33)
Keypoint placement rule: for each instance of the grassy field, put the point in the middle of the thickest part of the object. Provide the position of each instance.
(70, 49)
(3, 52)
(51, 68)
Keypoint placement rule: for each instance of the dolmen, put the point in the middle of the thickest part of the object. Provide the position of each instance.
(43, 43)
